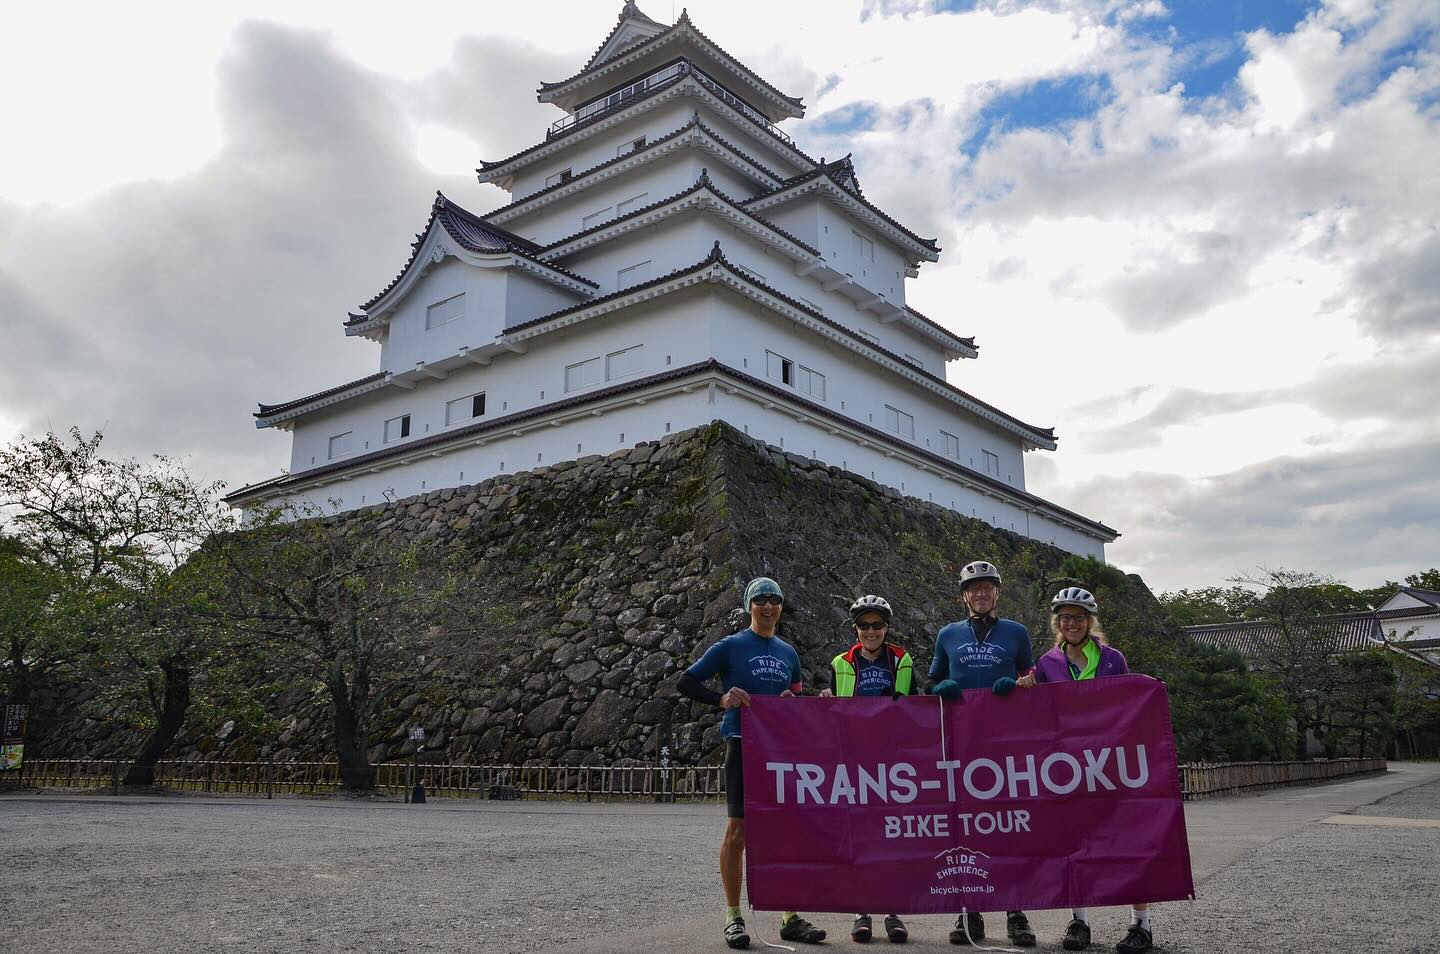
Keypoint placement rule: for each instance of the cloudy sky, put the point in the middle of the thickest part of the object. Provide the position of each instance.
(1199, 239)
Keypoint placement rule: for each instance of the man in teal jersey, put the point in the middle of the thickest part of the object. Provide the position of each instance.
(753, 661)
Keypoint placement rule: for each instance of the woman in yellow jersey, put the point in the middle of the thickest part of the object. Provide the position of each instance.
(873, 667)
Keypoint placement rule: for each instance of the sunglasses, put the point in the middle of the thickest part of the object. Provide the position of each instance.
(869, 626)
(1071, 617)
(767, 601)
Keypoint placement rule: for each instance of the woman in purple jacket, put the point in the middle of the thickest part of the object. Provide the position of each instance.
(1081, 652)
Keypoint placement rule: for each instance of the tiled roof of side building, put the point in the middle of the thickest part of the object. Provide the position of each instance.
(683, 23)
(1343, 632)
(693, 124)
(701, 184)
(266, 410)
(472, 233)
(1409, 612)
(717, 257)
(828, 171)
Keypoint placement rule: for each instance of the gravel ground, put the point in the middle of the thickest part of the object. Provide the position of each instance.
(93, 873)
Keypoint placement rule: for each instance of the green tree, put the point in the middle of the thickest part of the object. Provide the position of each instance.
(1362, 715)
(1210, 604)
(1221, 711)
(108, 534)
(364, 614)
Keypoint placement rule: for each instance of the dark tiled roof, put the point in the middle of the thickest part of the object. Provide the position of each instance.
(654, 144)
(1409, 612)
(268, 410)
(471, 232)
(717, 257)
(815, 410)
(968, 342)
(828, 170)
(701, 184)
(1261, 641)
(681, 24)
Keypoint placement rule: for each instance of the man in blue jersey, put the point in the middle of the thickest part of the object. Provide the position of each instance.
(983, 651)
(752, 662)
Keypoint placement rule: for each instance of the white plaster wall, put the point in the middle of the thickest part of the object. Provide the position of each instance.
(683, 241)
(505, 454)
(408, 340)
(886, 274)
(859, 388)
(653, 124)
(1424, 628)
(527, 296)
(673, 335)
(564, 217)
(631, 423)
(588, 153)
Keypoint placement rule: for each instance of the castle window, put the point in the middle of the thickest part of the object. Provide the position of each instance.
(582, 374)
(633, 275)
(622, 364)
(564, 175)
(340, 445)
(869, 337)
(631, 204)
(992, 463)
(780, 368)
(915, 361)
(625, 148)
(444, 312)
(595, 218)
(465, 408)
(864, 248)
(899, 422)
(397, 428)
(952, 444)
(752, 273)
(810, 382)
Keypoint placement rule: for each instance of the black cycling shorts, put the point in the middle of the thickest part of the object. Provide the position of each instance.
(734, 780)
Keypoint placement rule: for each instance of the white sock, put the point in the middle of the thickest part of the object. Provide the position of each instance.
(1141, 918)
(1081, 914)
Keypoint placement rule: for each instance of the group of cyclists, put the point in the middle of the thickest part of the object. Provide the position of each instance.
(982, 651)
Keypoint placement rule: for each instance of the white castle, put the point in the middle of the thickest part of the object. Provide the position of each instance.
(670, 258)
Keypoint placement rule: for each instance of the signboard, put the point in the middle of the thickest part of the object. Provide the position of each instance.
(13, 719)
(417, 733)
(1059, 796)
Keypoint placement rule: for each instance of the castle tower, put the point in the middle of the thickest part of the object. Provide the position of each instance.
(670, 257)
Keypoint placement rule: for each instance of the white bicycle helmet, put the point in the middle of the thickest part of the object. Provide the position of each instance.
(1075, 596)
(977, 571)
(870, 604)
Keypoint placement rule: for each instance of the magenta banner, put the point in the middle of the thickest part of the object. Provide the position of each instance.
(1057, 796)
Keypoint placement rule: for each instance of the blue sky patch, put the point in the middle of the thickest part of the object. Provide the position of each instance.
(1039, 105)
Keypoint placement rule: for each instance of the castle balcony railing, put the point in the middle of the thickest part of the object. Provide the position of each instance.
(665, 76)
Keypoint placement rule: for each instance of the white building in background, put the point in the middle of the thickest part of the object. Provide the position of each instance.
(670, 258)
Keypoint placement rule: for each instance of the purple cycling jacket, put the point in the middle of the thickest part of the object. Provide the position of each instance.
(1053, 666)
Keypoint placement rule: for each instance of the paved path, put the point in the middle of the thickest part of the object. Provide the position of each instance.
(95, 873)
